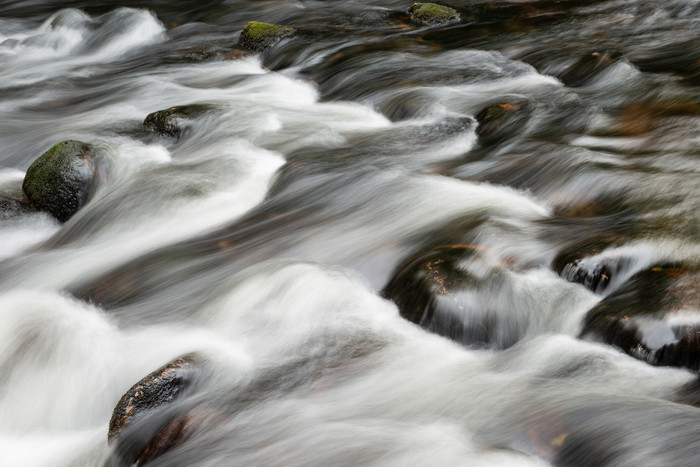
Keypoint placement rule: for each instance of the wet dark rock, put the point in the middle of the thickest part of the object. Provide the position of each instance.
(501, 121)
(62, 179)
(436, 290)
(582, 265)
(170, 122)
(606, 433)
(155, 440)
(10, 208)
(587, 68)
(599, 204)
(155, 390)
(689, 394)
(216, 52)
(432, 13)
(13, 202)
(636, 317)
(678, 58)
(258, 37)
(595, 276)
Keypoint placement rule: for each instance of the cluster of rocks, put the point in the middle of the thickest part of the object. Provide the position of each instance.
(647, 315)
(431, 288)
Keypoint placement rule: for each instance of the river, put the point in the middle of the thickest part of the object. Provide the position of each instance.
(284, 233)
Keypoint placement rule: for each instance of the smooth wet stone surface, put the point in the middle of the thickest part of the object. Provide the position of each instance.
(502, 121)
(437, 291)
(62, 179)
(652, 317)
(155, 390)
(173, 121)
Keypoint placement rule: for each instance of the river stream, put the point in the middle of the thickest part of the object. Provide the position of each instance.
(277, 235)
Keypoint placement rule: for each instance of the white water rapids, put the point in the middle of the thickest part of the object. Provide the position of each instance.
(299, 298)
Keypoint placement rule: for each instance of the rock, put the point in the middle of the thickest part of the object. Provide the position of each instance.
(155, 390)
(62, 179)
(10, 208)
(649, 317)
(432, 13)
(13, 202)
(169, 122)
(594, 275)
(689, 393)
(161, 438)
(582, 264)
(587, 68)
(258, 37)
(435, 290)
(501, 121)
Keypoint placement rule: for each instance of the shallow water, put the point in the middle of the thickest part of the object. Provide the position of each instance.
(263, 236)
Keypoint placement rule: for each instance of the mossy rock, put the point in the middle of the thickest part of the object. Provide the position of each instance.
(169, 122)
(432, 13)
(258, 37)
(62, 179)
(155, 390)
(502, 121)
(435, 290)
(634, 318)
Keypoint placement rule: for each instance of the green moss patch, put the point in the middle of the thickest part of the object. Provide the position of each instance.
(167, 122)
(258, 36)
(60, 181)
(432, 13)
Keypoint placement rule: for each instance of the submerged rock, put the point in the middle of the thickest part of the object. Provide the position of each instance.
(155, 390)
(160, 435)
(169, 122)
(501, 121)
(437, 290)
(10, 207)
(258, 37)
(688, 394)
(62, 179)
(587, 68)
(13, 202)
(651, 317)
(582, 264)
(432, 13)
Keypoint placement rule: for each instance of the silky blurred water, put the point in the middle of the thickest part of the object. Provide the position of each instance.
(262, 237)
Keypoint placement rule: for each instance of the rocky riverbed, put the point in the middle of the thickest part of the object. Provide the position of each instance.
(349, 233)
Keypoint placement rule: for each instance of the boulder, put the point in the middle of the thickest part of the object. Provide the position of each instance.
(62, 179)
(170, 122)
(651, 317)
(155, 390)
(432, 13)
(447, 290)
(501, 121)
(258, 37)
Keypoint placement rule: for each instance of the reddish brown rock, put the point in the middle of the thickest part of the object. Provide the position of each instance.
(155, 390)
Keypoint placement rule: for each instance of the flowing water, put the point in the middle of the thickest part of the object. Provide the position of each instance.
(261, 238)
